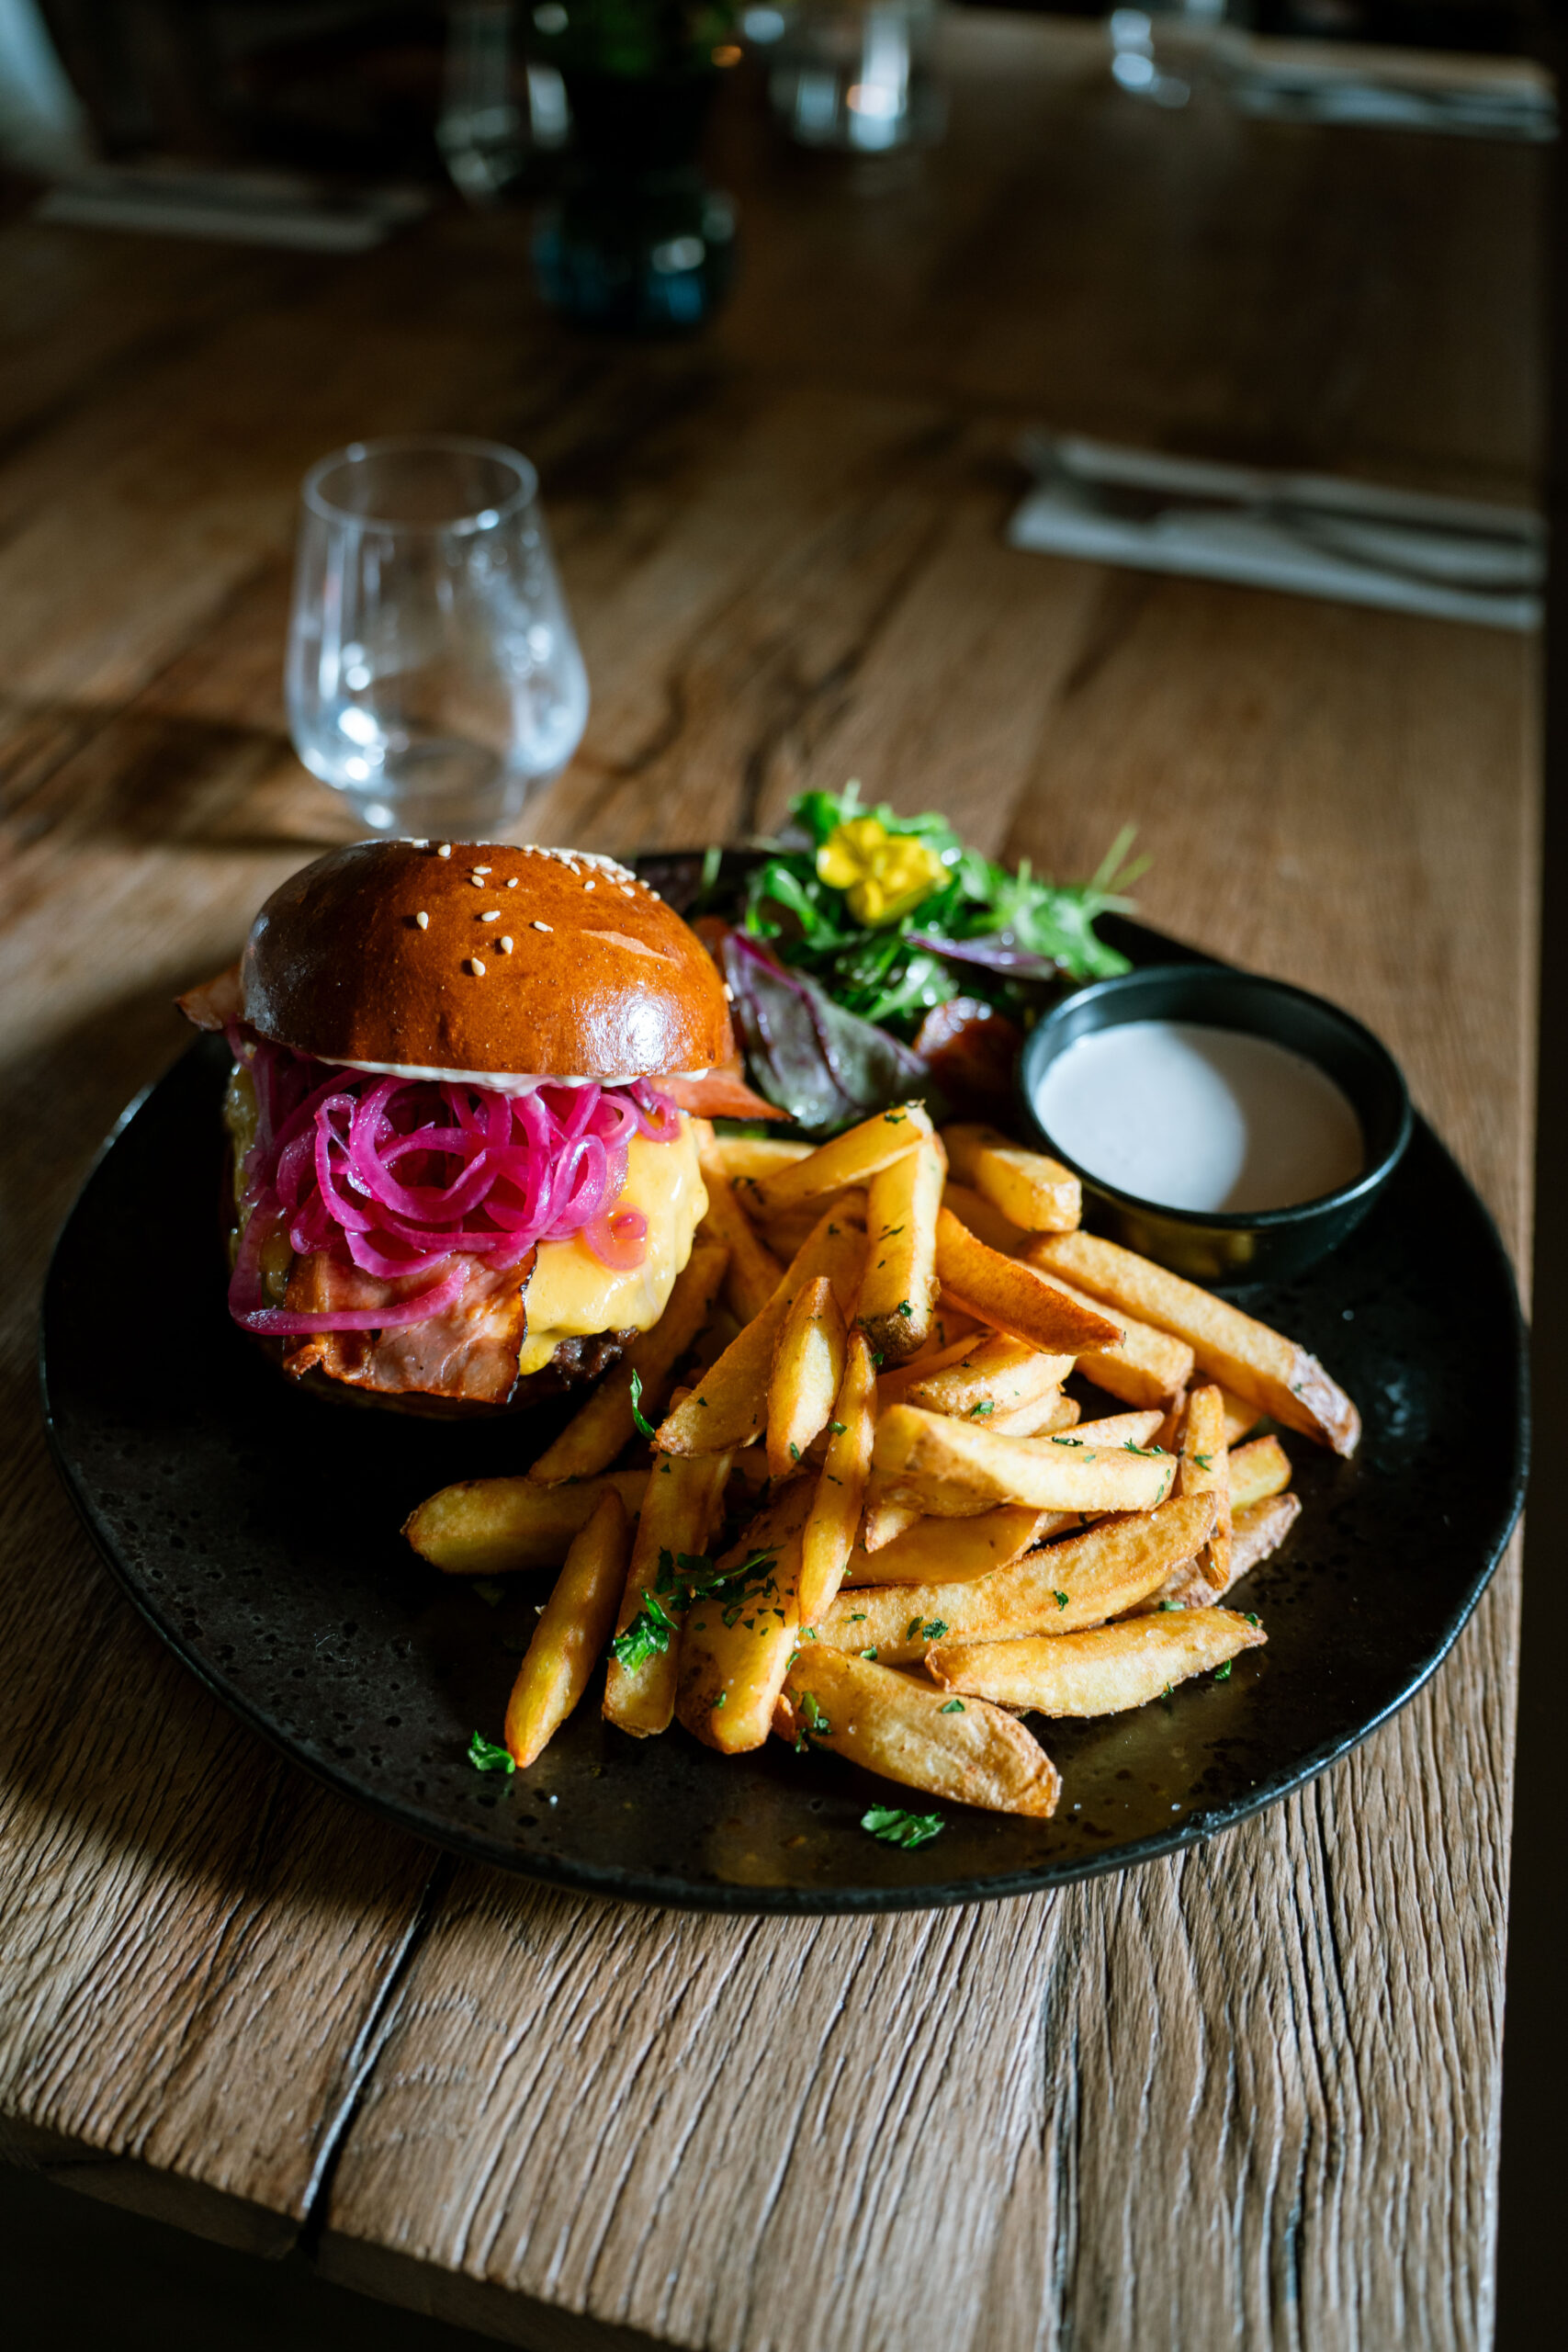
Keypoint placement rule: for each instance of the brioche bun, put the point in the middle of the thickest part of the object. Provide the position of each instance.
(389, 953)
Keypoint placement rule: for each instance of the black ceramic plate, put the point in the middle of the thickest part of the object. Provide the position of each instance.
(257, 1529)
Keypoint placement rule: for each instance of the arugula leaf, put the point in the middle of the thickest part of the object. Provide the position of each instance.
(896, 1828)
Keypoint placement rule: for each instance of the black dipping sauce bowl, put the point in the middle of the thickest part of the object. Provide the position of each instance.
(1226, 1245)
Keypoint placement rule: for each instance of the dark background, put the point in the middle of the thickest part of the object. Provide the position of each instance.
(353, 84)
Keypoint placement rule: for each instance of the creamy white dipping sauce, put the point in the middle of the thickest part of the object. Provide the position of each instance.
(1199, 1118)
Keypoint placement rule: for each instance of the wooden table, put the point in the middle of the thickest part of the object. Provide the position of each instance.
(1251, 2092)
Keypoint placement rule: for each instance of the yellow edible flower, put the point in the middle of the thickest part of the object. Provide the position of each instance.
(884, 874)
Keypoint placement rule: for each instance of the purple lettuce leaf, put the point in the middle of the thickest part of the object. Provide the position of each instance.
(994, 952)
(825, 1067)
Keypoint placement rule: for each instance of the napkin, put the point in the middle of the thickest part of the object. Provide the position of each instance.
(1359, 543)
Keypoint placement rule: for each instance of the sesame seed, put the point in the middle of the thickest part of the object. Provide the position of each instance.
(422, 920)
(505, 944)
(542, 926)
(588, 885)
(477, 968)
(728, 993)
(491, 914)
(512, 884)
(627, 891)
(445, 850)
(483, 869)
(478, 880)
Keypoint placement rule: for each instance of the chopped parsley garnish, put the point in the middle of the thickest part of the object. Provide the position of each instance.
(836, 1427)
(486, 1757)
(954, 1707)
(1223, 1673)
(982, 1409)
(1059, 1598)
(896, 1828)
(905, 1307)
(1204, 1460)
(870, 1653)
(814, 1724)
(647, 1637)
(644, 1426)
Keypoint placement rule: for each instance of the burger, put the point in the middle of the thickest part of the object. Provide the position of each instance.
(460, 1117)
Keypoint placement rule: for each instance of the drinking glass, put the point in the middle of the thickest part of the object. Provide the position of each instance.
(1165, 51)
(434, 677)
(858, 75)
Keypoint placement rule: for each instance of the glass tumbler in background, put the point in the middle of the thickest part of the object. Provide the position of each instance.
(434, 677)
(856, 75)
(1166, 52)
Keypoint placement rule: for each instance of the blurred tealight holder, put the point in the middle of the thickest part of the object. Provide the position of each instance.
(1167, 51)
(859, 75)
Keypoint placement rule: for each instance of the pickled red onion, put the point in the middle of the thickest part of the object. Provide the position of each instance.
(400, 1176)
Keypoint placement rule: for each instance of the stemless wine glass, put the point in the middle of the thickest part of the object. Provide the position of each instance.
(434, 677)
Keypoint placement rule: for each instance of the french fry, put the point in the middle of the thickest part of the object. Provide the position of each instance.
(1043, 1416)
(1240, 1416)
(992, 1377)
(882, 1522)
(899, 1289)
(888, 1722)
(1175, 1422)
(808, 1366)
(894, 1384)
(1146, 1368)
(1102, 1672)
(678, 1513)
(1259, 1529)
(784, 1235)
(931, 1451)
(829, 1534)
(735, 1653)
(754, 1272)
(1149, 1367)
(853, 1158)
(488, 1527)
(744, 1157)
(1030, 1190)
(602, 1426)
(1205, 1470)
(571, 1632)
(1257, 1471)
(984, 1219)
(730, 1404)
(1122, 1429)
(1014, 1298)
(1269, 1370)
(1079, 1580)
(952, 1551)
(1256, 1529)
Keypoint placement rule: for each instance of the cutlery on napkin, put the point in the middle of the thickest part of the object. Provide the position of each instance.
(1314, 534)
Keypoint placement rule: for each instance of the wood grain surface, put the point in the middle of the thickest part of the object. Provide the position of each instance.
(1249, 2094)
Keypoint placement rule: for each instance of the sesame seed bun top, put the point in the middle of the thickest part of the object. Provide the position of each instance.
(485, 958)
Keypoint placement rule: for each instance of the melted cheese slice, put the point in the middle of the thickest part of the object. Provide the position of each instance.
(571, 1294)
